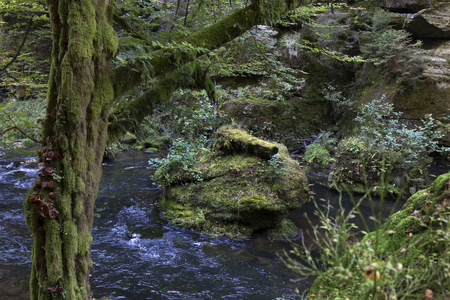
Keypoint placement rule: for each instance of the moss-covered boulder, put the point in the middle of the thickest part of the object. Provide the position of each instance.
(237, 192)
(432, 22)
(408, 256)
(405, 6)
(411, 228)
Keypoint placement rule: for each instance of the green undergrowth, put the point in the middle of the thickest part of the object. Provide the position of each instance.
(407, 257)
(385, 146)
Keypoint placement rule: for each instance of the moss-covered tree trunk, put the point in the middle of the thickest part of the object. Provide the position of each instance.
(59, 207)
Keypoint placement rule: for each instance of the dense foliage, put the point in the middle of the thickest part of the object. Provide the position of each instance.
(321, 54)
(385, 149)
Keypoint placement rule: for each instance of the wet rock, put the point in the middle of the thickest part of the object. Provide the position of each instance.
(428, 23)
(405, 6)
(238, 192)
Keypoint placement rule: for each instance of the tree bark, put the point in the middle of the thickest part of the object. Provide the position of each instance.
(59, 207)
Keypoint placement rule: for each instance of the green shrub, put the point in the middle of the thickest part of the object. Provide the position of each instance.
(384, 146)
(23, 115)
(392, 51)
(27, 143)
(177, 166)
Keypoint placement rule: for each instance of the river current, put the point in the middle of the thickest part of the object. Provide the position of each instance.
(138, 255)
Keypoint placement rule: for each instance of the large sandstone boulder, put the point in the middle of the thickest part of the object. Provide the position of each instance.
(241, 189)
(405, 6)
(431, 95)
(428, 23)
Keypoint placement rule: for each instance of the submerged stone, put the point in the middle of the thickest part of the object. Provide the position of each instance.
(238, 192)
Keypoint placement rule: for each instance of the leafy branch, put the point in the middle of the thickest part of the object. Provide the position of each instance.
(16, 127)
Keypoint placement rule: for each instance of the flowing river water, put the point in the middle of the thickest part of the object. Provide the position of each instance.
(138, 255)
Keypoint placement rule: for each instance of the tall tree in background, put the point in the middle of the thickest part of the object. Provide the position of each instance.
(82, 87)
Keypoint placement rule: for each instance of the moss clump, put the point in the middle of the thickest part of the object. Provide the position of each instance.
(237, 193)
(318, 154)
(285, 230)
(151, 150)
(414, 224)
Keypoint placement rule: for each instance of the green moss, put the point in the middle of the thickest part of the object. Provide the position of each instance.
(285, 230)
(103, 94)
(280, 121)
(235, 193)
(413, 223)
(53, 250)
(83, 26)
(107, 36)
(77, 208)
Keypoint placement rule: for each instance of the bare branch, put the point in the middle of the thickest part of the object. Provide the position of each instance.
(20, 47)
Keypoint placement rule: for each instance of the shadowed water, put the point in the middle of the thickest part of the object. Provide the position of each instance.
(138, 255)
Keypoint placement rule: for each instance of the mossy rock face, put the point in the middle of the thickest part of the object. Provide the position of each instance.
(427, 97)
(428, 23)
(280, 121)
(405, 6)
(238, 193)
(412, 235)
(412, 224)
